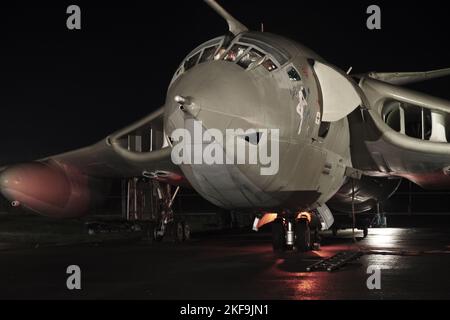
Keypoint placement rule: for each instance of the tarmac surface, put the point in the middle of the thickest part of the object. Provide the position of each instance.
(415, 265)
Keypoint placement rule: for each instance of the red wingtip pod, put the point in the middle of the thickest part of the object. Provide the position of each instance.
(49, 189)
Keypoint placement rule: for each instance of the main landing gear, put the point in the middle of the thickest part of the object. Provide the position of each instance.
(297, 233)
(169, 226)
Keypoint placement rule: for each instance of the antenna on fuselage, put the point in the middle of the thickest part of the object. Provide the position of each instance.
(234, 25)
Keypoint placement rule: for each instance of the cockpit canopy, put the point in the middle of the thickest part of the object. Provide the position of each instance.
(247, 51)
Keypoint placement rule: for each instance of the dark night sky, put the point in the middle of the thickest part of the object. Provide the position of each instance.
(62, 89)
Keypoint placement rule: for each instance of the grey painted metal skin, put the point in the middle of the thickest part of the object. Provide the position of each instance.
(391, 153)
(400, 78)
(312, 169)
(227, 96)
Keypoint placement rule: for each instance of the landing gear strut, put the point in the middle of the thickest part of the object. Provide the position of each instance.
(168, 224)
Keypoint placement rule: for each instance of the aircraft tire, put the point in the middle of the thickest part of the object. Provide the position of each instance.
(335, 232)
(278, 236)
(187, 232)
(179, 232)
(303, 236)
(365, 232)
(156, 237)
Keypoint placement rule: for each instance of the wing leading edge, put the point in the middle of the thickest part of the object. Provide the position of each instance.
(140, 149)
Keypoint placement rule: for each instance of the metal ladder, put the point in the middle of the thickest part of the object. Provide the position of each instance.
(335, 262)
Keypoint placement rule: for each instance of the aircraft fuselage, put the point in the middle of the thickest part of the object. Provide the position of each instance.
(278, 92)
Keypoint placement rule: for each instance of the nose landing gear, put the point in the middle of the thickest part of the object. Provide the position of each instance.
(303, 235)
(293, 233)
(279, 235)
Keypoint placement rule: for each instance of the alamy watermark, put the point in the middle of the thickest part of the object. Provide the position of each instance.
(74, 280)
(374, 280)
(73, 22)
(234, 147)
(374, 20)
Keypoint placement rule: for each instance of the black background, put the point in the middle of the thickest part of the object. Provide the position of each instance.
(62, 89)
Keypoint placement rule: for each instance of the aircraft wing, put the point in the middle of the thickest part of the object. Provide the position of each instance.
(137, 150)
(404, 133)
(400, 78)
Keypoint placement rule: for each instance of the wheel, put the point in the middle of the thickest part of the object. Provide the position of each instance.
(315, 237)
(335, 232)
(149, 232)
(187, 232)
(179, 231)
(365, 232)
(278, 236)
(157, 237)
(302, 236)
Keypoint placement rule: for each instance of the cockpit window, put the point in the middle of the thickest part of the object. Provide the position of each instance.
(269, 65)
(220, 53)
(235, 52)
(262, 43)
(191, 61)
(208, 54)
(248, 51)
(293, 74)
(247, 56)
(250, 59)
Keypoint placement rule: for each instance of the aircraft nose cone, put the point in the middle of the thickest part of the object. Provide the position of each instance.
(222, 95)
(187, 105)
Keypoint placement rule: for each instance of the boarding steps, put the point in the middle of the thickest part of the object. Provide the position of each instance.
(335, 262)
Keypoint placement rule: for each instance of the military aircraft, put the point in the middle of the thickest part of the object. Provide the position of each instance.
(343, 142)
